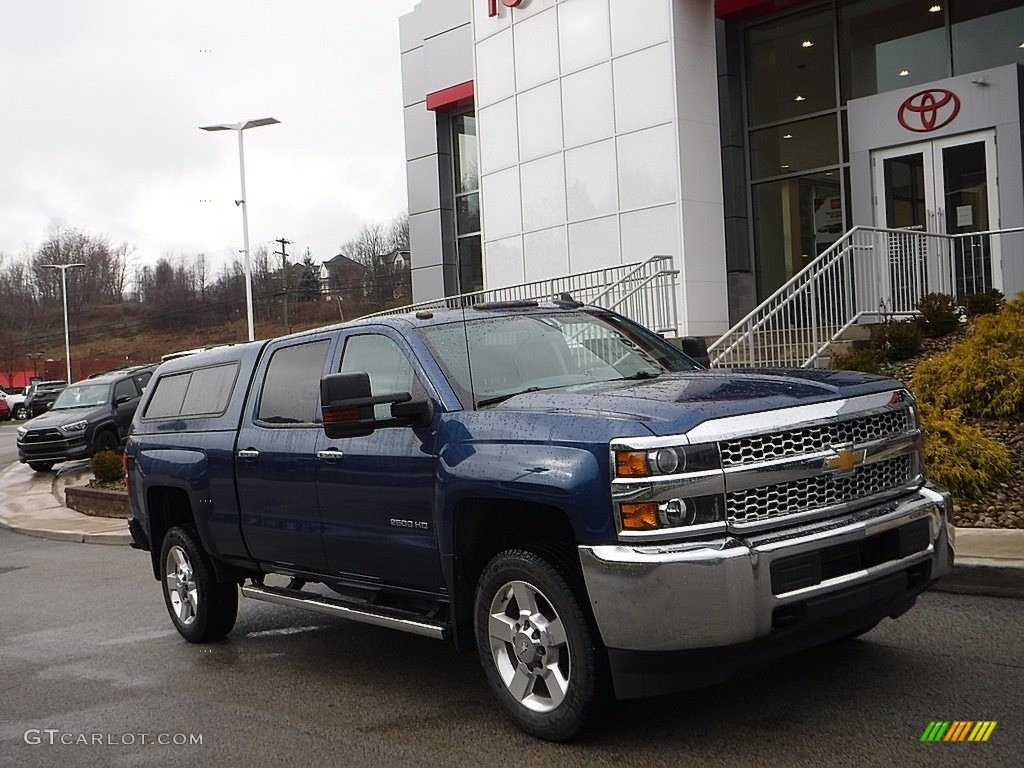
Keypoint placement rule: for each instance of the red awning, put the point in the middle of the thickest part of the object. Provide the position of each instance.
(457, 96)
(747, 9)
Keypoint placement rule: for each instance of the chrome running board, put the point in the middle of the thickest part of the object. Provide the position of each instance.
(331, 607)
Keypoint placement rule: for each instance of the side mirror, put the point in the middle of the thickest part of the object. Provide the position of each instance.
(347, 407)
(696, 348)
(123, 399)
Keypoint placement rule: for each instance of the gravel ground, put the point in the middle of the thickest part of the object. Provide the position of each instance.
(1002, 507)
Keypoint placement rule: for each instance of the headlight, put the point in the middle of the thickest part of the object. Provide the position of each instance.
(22, 431)
(672, 460)
(78, 426)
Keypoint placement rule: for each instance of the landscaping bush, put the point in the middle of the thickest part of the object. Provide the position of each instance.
(900, 341)
(988, 303)
(959, 456)
(863, 360)
(107, 467)
(982, 375)
(940, 315)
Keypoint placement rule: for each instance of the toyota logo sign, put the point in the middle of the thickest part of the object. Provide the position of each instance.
(929, 110)
(492, 5)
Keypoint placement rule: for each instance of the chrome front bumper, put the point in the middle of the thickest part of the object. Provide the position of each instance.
(705, 594)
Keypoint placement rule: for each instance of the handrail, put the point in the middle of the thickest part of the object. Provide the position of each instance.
(868, 272)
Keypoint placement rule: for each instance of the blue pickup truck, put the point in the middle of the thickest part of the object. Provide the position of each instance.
(551, 485)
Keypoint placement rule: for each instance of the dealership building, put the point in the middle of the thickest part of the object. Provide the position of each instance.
(743, 138)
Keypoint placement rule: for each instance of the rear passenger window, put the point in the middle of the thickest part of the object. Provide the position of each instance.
(204, 392)
(291, 387)
(168, 396)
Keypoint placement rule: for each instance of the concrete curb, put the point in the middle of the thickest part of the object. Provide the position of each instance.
(29, 505)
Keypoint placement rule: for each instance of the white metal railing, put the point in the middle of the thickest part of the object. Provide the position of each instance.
(644, 292)
(868, 274)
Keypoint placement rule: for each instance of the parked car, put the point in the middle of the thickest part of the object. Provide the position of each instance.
(15, 405)
(87, 417)
(40, 396)
(553, 486)
(5, 410)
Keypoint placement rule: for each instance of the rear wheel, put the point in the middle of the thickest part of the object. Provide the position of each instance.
(201, 608)
(541, 656)
(42, 466)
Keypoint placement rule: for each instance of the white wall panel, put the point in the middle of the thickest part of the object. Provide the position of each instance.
(594, 244)
(503, 262)
(637, 24)
(498, 136)
(546, 254)
(590, 180)
(583, 38)
(648, 171)
(540, 121)
(536, 50)
(588, 114)
(543, 190)
(448, 59)
(644, 84)
(495, 73)
(650, 232)
(501, 204)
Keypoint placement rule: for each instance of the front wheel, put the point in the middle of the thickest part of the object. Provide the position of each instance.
(541, 656)
(41, 466)
(105, 440)
(202, 609)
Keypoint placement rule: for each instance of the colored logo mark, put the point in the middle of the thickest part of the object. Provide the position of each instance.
(959, 730)
(929, 110)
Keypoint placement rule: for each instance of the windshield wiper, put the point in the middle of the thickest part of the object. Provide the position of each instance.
(502, 398)
(642, 376)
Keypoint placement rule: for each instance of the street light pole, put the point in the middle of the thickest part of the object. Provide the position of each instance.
(64, 292)
(240, 127)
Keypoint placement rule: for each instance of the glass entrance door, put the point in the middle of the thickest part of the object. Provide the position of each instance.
(941, 187)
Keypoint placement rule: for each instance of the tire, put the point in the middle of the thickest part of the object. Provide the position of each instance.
(42, 466)
(105, 440)
(201, 608)
(20, 413)
(522, 599)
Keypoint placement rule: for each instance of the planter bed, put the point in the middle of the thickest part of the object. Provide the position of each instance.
(97, 502)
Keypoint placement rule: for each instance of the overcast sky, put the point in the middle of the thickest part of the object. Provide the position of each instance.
(100, 104)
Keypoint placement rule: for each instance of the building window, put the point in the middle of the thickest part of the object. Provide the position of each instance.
(466, 177)
(986, 34)
(887, 45)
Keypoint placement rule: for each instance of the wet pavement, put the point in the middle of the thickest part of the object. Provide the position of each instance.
(87, 651)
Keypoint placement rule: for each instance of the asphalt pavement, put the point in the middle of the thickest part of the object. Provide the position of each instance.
(8, 441)
(87, 652)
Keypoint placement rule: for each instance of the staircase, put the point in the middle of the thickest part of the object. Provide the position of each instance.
(868, 275)
(644, 292)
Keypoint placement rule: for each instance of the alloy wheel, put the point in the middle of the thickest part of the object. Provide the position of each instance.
(529, 646)
(181, 585)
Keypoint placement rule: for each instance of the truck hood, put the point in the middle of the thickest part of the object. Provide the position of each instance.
(675, 403)
(55, 419)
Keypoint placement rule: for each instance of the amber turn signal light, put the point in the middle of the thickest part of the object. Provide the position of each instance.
(631, 464)
(639, 517)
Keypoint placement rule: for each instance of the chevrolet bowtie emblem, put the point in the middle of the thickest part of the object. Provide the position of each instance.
(845, 461)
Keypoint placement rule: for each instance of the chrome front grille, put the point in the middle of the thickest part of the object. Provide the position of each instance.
(756, 505)
(782, 445)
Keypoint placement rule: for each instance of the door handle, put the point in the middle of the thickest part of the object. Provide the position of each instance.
(248, 454)
(330, 454)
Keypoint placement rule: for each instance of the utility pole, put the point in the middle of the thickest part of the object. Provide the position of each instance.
(284, 277)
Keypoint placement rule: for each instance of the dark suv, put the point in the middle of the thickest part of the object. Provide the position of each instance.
(87, 417)
(40, 396)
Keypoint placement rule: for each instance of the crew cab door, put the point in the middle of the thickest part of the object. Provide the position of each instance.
(275, 455)
(376, 492)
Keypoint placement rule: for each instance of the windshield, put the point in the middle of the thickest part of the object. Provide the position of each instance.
(82, 395)
(512, 355)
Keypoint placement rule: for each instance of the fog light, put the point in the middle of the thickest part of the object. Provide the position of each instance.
(677, 512)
